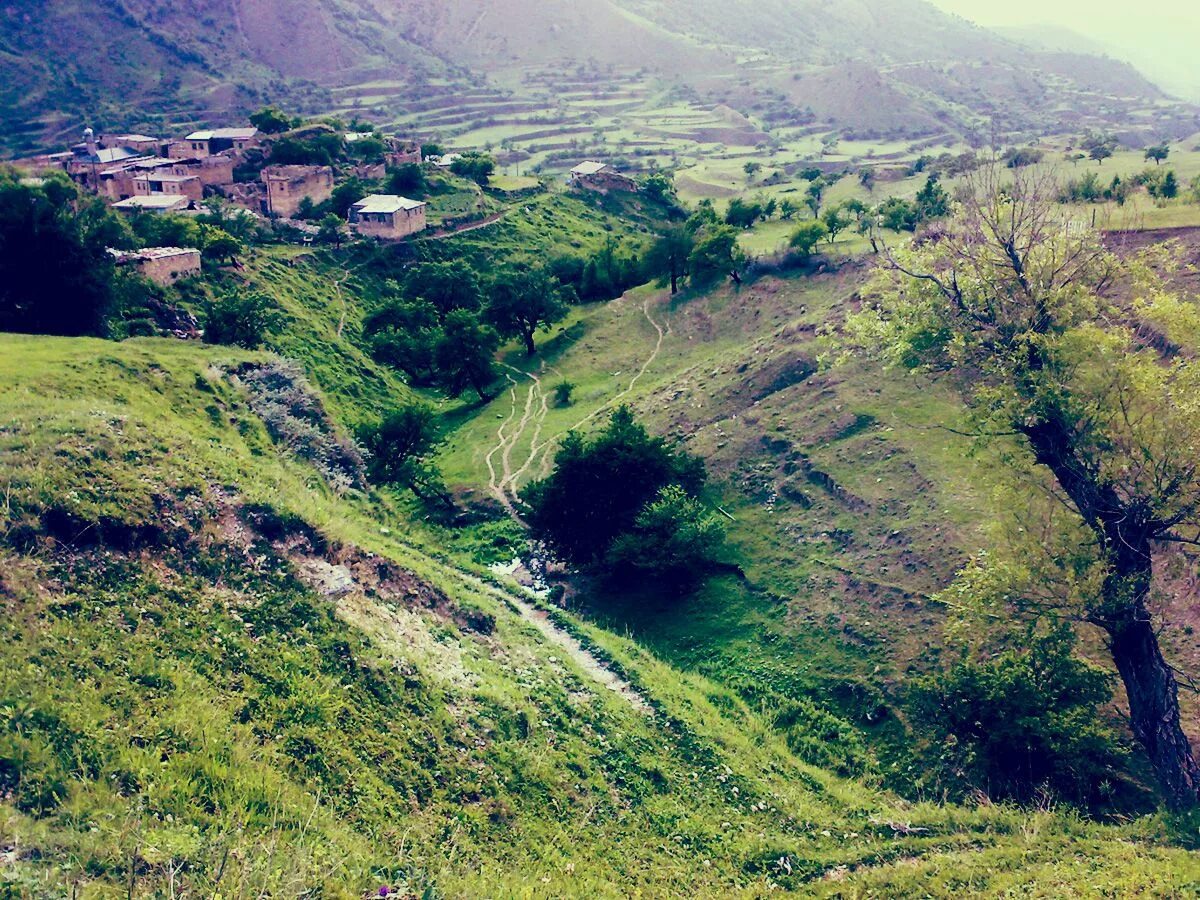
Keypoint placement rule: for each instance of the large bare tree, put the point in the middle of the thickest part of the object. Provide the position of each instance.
(1085, 358)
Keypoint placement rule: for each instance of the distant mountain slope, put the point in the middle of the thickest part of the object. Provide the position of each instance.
(890, 67)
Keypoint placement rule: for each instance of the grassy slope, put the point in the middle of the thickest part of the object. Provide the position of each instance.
(853, 498)
(195, 708)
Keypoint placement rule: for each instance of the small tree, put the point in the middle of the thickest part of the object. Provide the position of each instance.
(332, 230)
(399, 446)
(751, 169)
(476, 166)
(806, 236)
(674, 539)
(219, 245)
(408, 179)
(836, 219)
(1020, 722)
(599, 487)
(669, 254)
(464, 356)
(563, 393)
(446, 286)
(272, 120)
(716, 250)
(742, 213)
(240, 319)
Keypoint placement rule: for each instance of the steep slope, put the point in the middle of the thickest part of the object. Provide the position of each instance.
(219, 675)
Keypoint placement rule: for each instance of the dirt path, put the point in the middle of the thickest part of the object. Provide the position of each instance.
(471, 226)
(662, 332)
(571, 647)
(502, 481)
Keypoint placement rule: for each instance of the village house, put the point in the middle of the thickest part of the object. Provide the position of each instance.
(200, 144)
(151, 183)
(154, 203)
(601, 177)
(387, 216)
(287, 186)
(162, 265)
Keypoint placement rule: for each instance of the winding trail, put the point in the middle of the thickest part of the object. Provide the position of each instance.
(502, 481)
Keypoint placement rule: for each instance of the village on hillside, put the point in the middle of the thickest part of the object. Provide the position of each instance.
(297, 176)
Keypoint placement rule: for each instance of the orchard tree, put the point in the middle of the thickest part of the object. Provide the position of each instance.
(1022, 316)
(522, 301)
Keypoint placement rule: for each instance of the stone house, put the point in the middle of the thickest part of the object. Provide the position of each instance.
(150, 183)
(287, 186)
(387, 216)
(162, 265)
(200, 144)
(601, 177)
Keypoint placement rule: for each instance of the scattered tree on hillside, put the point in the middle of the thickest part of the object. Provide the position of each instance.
(406, 180)
(272, 120)
(1158, 153)
(867, 178)
(669, 255)
(807, 235)
(742, 213)
(522, 301)
(476, 166)
(836, 219)
(788, 209)
(1099, 147)
(332, 230)
(219, 245)
(398, 448)
(658, 188)
(464, 355)
(446, 286)
(403, 335)
(932, 201)
(751, 169)
(1021, 312)
(716, 252)
(813, 196)
(240, 319)
(600, 486)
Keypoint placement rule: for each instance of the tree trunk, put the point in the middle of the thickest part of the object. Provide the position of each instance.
(530, 349)
(1124, 537)
(1149, 682)
(674, 279)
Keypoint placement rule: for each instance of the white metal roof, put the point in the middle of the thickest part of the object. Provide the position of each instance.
(229, 133)
(154, 201)
(152, 253)
(386, 203)
(589, 168)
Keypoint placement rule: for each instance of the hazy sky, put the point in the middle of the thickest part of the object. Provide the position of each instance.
(1161, 38)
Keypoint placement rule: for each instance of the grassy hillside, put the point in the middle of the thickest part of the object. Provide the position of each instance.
(222, 676)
